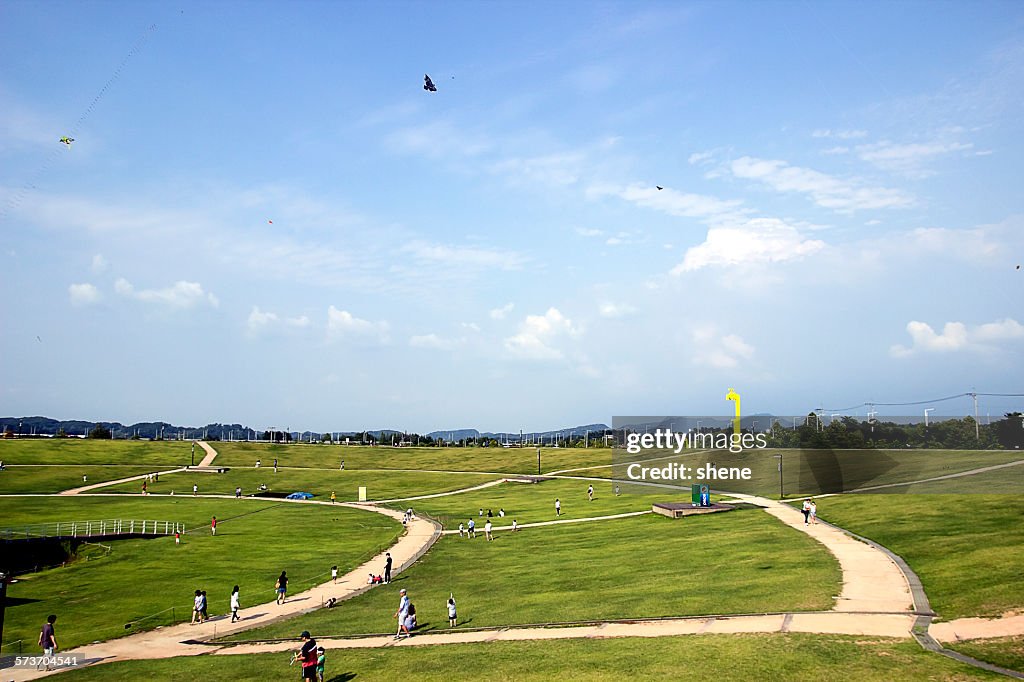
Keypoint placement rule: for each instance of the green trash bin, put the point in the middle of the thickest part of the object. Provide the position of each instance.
(700, 495)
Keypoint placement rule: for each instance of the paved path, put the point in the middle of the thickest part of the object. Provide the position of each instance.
(876, 625)
(210, 453)
(971, 472)
(172, 641)
(480, 528)
(104, 484)
(872, 582)
(977, 628)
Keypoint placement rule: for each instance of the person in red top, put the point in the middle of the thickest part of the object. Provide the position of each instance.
(307, 654)
(213, 525)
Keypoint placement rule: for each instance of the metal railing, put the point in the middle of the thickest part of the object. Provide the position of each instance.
(92, 528)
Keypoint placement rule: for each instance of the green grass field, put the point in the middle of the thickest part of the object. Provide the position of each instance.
(49, 478)
(533, 502)
(968, 550)
(163, 454)
(500, 460)
(1007, 652)
(255, 541)
(380, 485)
(812, 472)
(771, 658)
(735, 562)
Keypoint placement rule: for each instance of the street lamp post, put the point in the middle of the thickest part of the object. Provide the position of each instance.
(782, 493)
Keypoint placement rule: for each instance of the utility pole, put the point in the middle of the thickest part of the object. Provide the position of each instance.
(977, 428)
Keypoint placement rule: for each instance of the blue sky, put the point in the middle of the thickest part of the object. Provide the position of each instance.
(264, 217)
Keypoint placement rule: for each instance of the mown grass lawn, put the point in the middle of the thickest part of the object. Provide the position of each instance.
(48, 478)
(164, 454)
(735, 562)
(533, 502)
(767, 657)
(968, 550)
(255, 541)
(500, 460)
(1007, 652)
(380, 485)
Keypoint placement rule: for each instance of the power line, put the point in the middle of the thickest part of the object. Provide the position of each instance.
(923, 402)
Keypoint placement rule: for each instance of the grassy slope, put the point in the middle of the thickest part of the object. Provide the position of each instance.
(967, 549)
(1007, 652)
(735, 562)
(88, 451)
(33, 478)
(706, 657)
(255, 541)
(380, 485)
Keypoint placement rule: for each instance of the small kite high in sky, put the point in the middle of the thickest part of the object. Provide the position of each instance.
(658, 187)
(428, 84)
(66, 141)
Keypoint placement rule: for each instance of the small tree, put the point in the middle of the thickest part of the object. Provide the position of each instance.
(100, 431)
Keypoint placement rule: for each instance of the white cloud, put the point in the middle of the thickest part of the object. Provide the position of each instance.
(908, 158)
(434, 342)
(700, 157)
(588, 232)
(612, 310)
(840, 134)
(833, 151)
(472, 326)
(99, 263)
(83, 294)
(500, 313)
(957, 336)
(539, 334)
(343, 325)
(976, 244)
(181, 294)
(475, 257)
(670, 201)
(261, 320)
(825, 190)
(760, 240)
(717, 350)
(550, 169)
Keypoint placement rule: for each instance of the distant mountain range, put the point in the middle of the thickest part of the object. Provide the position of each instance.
(45, 426)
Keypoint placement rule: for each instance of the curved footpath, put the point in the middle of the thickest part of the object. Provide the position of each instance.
(881, 596)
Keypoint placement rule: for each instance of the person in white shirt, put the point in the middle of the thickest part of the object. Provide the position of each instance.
(487, 530)
(234, 605)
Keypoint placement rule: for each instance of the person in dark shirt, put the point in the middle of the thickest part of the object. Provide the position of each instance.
(387, 568)
(282, 587)
(307, 655)
(48, 639)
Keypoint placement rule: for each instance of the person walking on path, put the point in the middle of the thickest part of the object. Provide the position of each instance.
(213, 526)
(203, 613)
(807, 511)
(234, 605)
(472, 529)
(195, 490)
(387, 567)
(342, 465)
(334, 574)
(282, 587)
(48, 640)
(515, 525)
(462, 530)
(814, 512)
(452, 616)
(402, 613)
(590, 492)
(334, 498)
(275, 465)
(307, 655)
(197, 608)
(558, 507)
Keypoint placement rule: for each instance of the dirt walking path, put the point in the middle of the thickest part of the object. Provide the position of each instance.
(104, 484)
(210, 454)
(978, 628)
(875, 625)
(173, 641)
(872, 582)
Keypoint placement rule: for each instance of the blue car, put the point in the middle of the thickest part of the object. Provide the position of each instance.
(300, 496)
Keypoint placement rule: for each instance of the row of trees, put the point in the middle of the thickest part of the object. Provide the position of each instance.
(953, 434)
